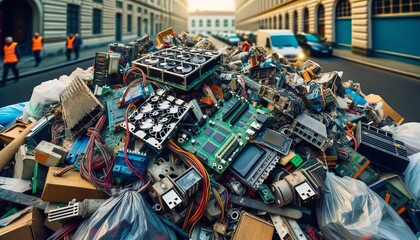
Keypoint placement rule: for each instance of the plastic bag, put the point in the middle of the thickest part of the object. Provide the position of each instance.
(412, 175)
(43, 96)
(124, 217)
(352, 211)
(9, 113)
(409, 134)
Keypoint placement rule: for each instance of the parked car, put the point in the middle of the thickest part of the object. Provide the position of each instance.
(282, 42)
(314, 45)
(233, 39)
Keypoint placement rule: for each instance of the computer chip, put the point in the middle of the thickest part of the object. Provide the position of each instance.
(223, 130)
(208, 132)
(219, 137)
(209, 148)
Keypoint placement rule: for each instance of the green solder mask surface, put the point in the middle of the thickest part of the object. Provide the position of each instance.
(349, 164)
(223, 138)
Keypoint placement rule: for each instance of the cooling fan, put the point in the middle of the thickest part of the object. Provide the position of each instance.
(183, 56)
(155, 120)
(183, 68)
(151, 60)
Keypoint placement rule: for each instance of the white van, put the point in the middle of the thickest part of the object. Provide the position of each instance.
(283, 42)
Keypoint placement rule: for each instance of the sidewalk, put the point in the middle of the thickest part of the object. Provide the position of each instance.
(380, 63)
(27, 67)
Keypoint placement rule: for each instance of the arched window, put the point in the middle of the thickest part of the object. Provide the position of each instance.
(280, 22)
(193, 23)
(286, 19)
(217, 23)
(380, 7)
(320, 20)
(225, 23)
(343, 9)
(274, 22)
(295, 21)
(305, 17)
(200, 22)
(208, 22)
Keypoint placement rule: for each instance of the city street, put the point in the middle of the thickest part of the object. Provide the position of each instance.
(22, 90)
(400, 92)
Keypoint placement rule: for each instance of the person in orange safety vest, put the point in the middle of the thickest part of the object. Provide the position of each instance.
(10, 60)
(69, 46)
(37, 43)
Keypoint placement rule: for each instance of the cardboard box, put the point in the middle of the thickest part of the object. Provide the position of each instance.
(65, 188)
(388, 111)
(30, 226)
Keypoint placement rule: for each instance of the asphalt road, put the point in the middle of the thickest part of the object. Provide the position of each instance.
(400, 92)
(21, 91)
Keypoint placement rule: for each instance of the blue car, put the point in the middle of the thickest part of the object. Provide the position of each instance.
(313, 45)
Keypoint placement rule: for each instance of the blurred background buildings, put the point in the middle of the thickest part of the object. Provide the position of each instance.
(206, 22)
(97, 21)
(383, 28)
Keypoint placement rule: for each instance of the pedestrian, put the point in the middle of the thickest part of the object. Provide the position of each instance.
(69, 46)
(37, 43)
(11, 58)
(78, 41)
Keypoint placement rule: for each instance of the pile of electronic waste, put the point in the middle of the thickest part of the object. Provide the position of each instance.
(184, 141)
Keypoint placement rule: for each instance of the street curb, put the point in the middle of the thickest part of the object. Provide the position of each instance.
(46, 69)
(377, 66)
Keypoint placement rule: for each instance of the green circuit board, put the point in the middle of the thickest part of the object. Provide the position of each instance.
(349, 163)
(224, 134)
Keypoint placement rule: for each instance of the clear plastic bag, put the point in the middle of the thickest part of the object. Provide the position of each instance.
(352, 211)
(125, 216)
(409, 134)
(412, 175)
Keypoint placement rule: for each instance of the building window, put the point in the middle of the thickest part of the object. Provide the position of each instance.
(129, 22)
(225, 23)
(233, 22)
(381, 7)
(129, 7)
(72, 19)
(286, 19)
(280, 22)
(217, 23)
(320, 25)
(193, 23)
(305, 18)
(118, 4)
(98, 1)
(274, 22)
(200, 22)
(208, 22)
(139, 9)
(295, 22)
(343, 9)
(96, 21)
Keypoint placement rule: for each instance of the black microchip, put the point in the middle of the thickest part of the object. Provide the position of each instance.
(241, 124)
(223, 130)
(219, 137)
(208, 132)
(202, 157)
(209, 148)
(248, 114)
(192, 150)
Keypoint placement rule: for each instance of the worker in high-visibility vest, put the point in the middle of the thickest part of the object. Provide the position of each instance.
(69, 46)
(10, 60)
(37, 43)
